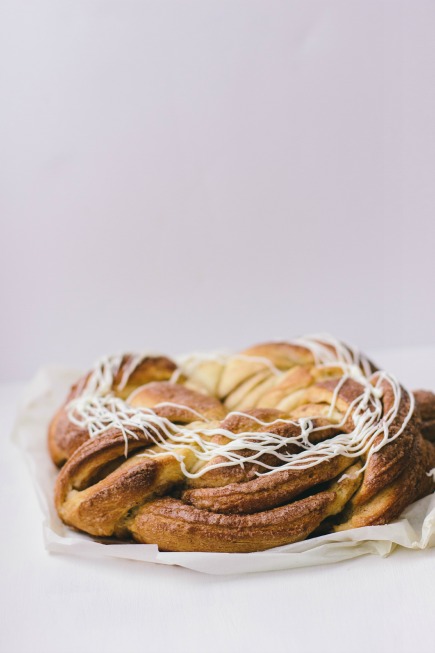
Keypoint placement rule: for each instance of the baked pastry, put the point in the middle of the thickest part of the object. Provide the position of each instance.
(243, 452)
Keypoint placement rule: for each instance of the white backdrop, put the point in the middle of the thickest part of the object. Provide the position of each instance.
(190, 175)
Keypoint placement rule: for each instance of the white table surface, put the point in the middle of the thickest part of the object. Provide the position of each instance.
(63, 603)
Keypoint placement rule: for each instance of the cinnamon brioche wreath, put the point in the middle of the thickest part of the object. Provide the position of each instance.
(243, 452)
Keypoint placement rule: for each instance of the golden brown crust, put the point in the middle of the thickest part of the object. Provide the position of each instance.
(282, 354)
(425, 402)
(99, 505)
(151, 368)
(391, 499)
(153, 395)
(387, 464)
(265, 492)
(64, 437)
(175, 526)
(233, 508)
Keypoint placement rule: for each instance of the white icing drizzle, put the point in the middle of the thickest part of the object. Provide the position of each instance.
(133, 364)
(98, 414)
(102, 378)
(326, 350)
(99, 411)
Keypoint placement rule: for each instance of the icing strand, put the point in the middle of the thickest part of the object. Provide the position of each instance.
(99, 414)
(326, 350)
(102, 378)
(98, 410)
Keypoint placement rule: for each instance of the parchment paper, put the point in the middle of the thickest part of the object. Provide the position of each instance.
(415, 529)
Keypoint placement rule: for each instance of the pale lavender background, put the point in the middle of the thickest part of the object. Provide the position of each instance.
(192, 175)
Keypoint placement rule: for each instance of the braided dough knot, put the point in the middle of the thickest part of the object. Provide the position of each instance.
(239, 453)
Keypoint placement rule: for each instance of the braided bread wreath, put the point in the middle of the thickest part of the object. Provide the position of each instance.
(242, 452)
